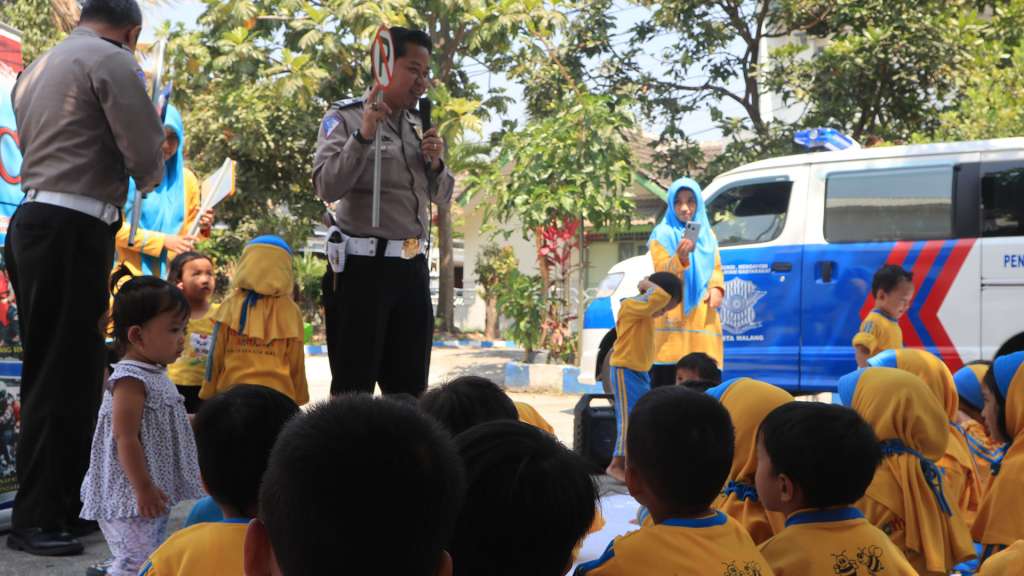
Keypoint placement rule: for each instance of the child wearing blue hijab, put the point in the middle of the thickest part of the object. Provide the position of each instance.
(695, 326)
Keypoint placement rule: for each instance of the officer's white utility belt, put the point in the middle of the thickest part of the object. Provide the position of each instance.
(99, 209)
(392, 248)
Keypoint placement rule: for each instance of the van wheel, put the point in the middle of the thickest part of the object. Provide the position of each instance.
(1015, 344)
(604, 356)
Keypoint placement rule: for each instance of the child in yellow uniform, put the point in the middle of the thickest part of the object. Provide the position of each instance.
(680, 450)
(907, 499)
(258, 335)
(963, 485)
(893, 290)
(192, 273)
(1000, 520)
(971, 422)
(235, 432)
(748, 402)
(695, 326)
(699, 369)
(531, 416)
(465, 402)
(633, 354)
(358, 485)
(1009, 562)
(814, 461)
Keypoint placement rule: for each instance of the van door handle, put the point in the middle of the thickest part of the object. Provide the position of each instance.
(825, 270)
(782, 266)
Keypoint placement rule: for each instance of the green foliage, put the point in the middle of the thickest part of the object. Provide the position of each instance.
(309, 273)
(992, 105)
(521, 299)
(35, 21)
(493, 265)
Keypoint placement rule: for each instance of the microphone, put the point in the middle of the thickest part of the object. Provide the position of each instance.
(425, 109)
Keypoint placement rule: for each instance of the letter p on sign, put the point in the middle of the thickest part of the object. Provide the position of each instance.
(383, 57)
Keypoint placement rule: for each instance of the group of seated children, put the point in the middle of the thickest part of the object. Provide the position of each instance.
(144, 458)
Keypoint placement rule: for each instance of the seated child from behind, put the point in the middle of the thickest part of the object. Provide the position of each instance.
(680, 449)
(893, 290)
(466, 402)
(259, 332)
(698, 371)
(235, 432)
(634, 353)
(814, 462)
(192, 273)
(357, 485)
(518, 478)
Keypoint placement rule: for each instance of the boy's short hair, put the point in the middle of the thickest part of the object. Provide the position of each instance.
(889, 277)
(361, 484)
(118, 13)
(466, 402)
(235, 432)
(704, 365)
(699, 385)
(177, 267)
(681, 442)
(668, 282)
(829, 451)
(519, 478)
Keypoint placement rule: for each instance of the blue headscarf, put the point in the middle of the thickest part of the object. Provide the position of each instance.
(669, 232)
(163, 209)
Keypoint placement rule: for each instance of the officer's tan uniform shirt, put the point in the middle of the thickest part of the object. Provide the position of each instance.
(343, 171)
(85, 122)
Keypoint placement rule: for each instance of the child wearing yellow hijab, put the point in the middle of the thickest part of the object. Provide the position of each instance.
(906, 499)
(1009, 562)
(1000, 520)
(959, 474)
(748, 402)
(258, 330)
(971, 422)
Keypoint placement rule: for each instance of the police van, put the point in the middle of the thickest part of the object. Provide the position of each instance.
(802, 236)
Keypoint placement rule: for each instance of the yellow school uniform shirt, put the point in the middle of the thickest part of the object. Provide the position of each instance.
(205, 548)
(190, 368)
(879, 332)
(833, 541)
(710, 546)
(1009, 562)
(634, 346)
(699, 331)
(529, 415)
(239, 359)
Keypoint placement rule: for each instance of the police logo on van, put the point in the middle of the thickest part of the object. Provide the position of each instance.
(738, 316)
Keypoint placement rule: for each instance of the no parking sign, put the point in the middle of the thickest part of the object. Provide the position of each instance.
(383, 55)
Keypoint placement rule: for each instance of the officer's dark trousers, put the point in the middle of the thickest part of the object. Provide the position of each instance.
(380, 325)
(59, 263)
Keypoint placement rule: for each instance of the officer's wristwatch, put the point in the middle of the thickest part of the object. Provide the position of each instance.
(359, 138)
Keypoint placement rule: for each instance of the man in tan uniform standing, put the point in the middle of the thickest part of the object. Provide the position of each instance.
(380, 320)
(85, 125)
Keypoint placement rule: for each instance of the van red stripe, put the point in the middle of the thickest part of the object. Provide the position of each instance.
(923, 265)
(930, 309)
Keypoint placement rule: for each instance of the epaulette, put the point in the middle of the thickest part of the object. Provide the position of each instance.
(346, 103)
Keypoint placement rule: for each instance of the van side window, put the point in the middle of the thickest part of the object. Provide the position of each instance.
(887, 205)
(1002, 203)
(749, 213)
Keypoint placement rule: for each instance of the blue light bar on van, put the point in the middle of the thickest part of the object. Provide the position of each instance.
(827, 138)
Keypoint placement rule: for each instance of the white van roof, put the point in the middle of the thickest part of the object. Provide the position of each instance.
(882, 152)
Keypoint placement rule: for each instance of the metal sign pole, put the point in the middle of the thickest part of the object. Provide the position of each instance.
(375, 214)
(382, 56)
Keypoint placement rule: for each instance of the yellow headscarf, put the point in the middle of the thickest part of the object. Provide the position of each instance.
(260, 304)
(1009, 562)
(748, 402)
(961, 472)
(900, 407)
(1001, 517)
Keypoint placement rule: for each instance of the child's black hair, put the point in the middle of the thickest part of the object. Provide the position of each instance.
(704, 365)
(699, 385)
(177, 267)
(361, 484)
(829, 451)
(235, 432)
(403, 398)
(681, 442)
(668, 282)
(517, 478)
(139, 300)
(467, 401)
(889, 277)
(993, 388)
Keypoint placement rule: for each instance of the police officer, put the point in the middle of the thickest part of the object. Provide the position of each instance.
(379, 315)
(86, 125)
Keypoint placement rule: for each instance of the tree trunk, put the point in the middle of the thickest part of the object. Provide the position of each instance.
(65, 14)
(446, 270)
(492, 324)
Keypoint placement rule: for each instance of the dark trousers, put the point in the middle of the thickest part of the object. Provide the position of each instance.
(663, 375)
(59, 264)
(380, 325)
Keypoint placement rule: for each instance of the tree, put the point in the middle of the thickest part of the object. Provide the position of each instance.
(493, 268)
(43, 23)
(992, 105)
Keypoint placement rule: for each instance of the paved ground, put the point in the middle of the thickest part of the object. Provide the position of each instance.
(446, 364)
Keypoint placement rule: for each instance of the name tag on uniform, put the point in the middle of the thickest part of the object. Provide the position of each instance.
(201, 345)
(336, 244)
(411, 248)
